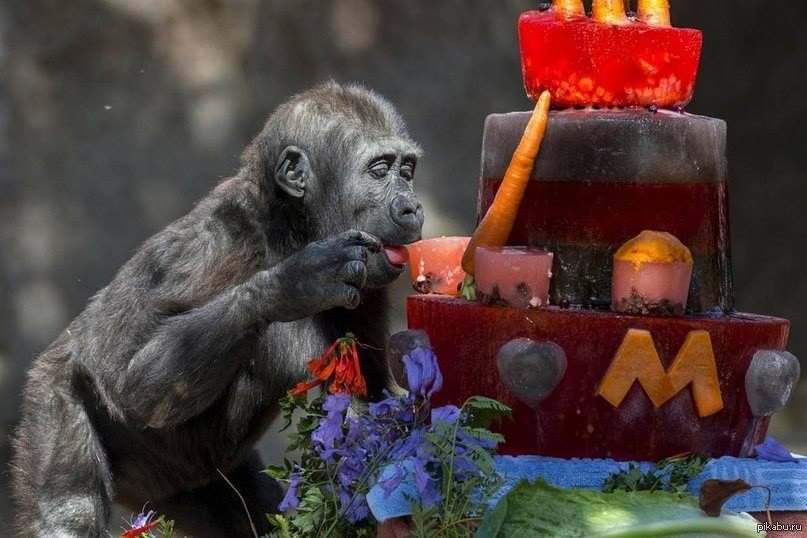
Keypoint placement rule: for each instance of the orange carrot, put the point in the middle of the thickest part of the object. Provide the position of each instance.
(569, 8)
(497, 224)
(609, 11)
(655, 12)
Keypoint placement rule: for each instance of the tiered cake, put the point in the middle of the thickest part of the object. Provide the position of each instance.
(602, 176)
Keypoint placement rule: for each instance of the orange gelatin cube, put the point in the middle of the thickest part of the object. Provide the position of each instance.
(436, 265)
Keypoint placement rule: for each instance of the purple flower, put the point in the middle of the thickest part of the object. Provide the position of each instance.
(355, 431)
(354, 508)
(290, 500)
(351, 468)
(422, 372)
(142, 519)
(447, 413)
(408, 446)
(771, 450)
(337, 403)
(329, 432)
(392, 408)
(391, 483)
(426, 485)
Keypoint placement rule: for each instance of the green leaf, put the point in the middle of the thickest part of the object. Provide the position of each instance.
(483, 434)
(282, 527)
(542, 510)
(277, 472)
(672, 475)
(481, 412)
(468, 288)
(165, 527)
(495, 519)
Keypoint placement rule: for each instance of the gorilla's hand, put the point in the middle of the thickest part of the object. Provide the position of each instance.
(325, 274)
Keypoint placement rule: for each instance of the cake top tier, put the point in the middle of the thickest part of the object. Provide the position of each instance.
(610, 59)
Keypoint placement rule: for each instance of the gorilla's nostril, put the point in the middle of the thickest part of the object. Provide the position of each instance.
(406, 212)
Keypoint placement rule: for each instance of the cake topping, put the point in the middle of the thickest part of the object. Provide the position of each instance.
(610, 59)
(495, 228)
(637, 360)
(655, 12)
(651, 246)
(569, 9)
(609, 11)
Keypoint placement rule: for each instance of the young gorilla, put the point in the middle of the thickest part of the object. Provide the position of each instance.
(173, 371)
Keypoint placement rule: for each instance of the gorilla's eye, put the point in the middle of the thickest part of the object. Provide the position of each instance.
(408, 170)
(379, 168)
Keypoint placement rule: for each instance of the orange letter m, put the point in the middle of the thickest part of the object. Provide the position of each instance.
(638, 360)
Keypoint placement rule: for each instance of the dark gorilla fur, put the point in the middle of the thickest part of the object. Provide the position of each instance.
(173, 371)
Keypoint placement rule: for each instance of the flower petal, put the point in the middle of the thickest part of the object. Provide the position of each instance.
(447, 413)
(772, 450)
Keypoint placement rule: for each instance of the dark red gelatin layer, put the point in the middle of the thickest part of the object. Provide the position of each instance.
(573, 421)
(584, 62)
(566, 216)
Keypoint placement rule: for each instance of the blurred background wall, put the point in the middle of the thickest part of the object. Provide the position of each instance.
(117, 115)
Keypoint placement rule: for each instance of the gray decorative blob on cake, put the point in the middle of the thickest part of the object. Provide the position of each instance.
(531, 370)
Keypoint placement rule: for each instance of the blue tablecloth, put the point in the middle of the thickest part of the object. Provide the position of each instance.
(788, 481)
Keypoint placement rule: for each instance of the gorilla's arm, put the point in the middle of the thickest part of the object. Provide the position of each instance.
(192, 356)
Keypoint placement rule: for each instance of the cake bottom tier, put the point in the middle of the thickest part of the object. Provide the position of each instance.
(574, 421)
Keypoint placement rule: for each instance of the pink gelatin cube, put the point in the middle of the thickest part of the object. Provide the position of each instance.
(513, 276)
(653, 288)
(436, 264)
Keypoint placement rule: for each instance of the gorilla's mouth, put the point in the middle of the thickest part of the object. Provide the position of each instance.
(397, 255)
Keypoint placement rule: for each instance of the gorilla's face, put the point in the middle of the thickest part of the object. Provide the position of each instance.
(383, 202)
(368, 187)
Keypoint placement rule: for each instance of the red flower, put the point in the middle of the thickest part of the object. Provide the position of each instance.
(340, 367)
(140, 531)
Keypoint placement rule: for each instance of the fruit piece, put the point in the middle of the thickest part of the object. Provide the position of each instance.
(435, 265)
(650, 246)
(616, 62)
(655, 12)
(609, 11)
(638, 360)
(569, 9)
(496, 225)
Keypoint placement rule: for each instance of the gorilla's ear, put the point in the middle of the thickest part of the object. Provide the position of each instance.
(293, 171)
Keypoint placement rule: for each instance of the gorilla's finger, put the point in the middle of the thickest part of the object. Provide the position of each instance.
(356, 253)
(354, 273)
(356, 237)
(341, 295)
(349, 297)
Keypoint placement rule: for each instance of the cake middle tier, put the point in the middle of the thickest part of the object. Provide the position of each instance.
(604, 176)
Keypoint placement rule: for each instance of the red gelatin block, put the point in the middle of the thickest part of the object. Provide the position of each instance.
(513, 276)
(656, 288)
(436, 264)
(587, 63)
(575, 421)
